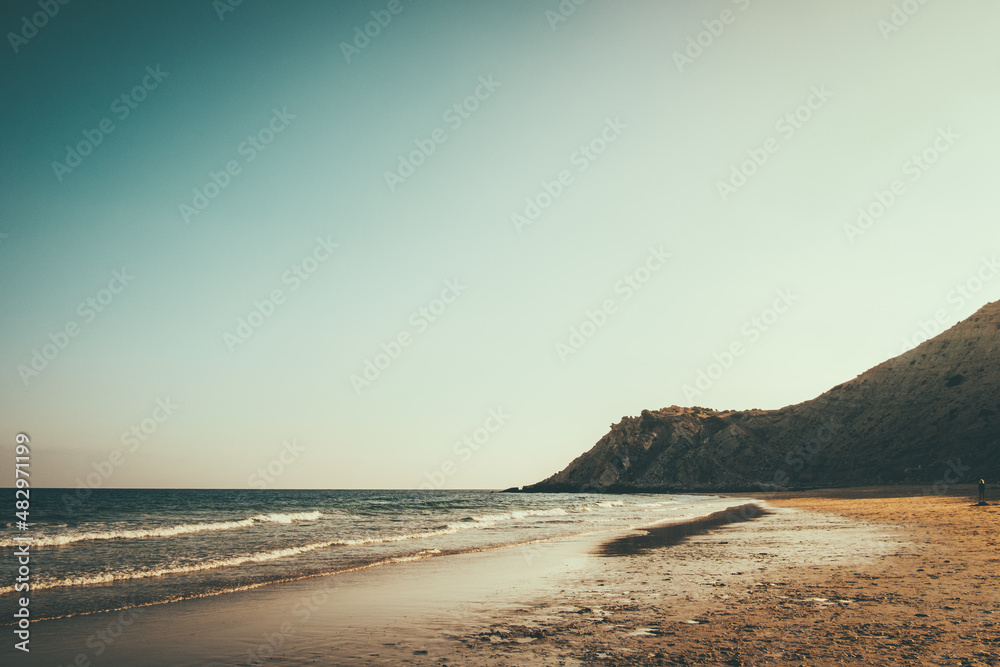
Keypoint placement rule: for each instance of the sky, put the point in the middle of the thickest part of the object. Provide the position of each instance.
(448, 244)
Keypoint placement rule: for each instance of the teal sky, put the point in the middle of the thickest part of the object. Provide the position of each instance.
(271, 81)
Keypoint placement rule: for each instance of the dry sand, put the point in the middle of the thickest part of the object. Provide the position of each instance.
(829, 578)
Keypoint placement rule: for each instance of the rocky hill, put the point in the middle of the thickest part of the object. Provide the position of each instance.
(930, 416)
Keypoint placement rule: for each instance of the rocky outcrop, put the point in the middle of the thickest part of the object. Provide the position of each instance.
(929, 416)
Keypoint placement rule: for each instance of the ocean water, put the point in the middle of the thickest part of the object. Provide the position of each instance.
(123, 548)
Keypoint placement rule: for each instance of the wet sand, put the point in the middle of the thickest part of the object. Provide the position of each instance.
(827, 578)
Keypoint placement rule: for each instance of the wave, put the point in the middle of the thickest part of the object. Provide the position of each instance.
(601, 505)
(555, 511)
(487, 520)
(517, 514)
(236, 561)
(128, 575)
(447, 529)
(169, 531)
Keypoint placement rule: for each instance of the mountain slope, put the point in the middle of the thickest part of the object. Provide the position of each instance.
(929, 416)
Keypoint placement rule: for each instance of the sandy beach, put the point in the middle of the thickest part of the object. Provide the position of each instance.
(884, 576)
(878, 576)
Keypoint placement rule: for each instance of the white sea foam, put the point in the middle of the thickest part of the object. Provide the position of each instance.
(447, 529)
(168, 531)
(604, 504)
(519, 514)
(126, 575)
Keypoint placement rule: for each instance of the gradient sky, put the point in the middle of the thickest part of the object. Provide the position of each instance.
(855, 300)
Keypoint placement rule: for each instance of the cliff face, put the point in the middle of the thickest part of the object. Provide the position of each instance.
(930, 416)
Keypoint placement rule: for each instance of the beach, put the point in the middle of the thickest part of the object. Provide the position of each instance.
(886, 576)
(879, 576)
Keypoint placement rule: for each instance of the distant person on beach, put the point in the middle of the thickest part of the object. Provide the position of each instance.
(982, 491)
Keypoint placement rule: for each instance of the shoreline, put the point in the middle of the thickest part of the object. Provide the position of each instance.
(823, 578)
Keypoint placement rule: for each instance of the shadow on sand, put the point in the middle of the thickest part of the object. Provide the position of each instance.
(673, 533)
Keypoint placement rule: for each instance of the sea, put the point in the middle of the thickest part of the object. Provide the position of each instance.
(123, 548)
